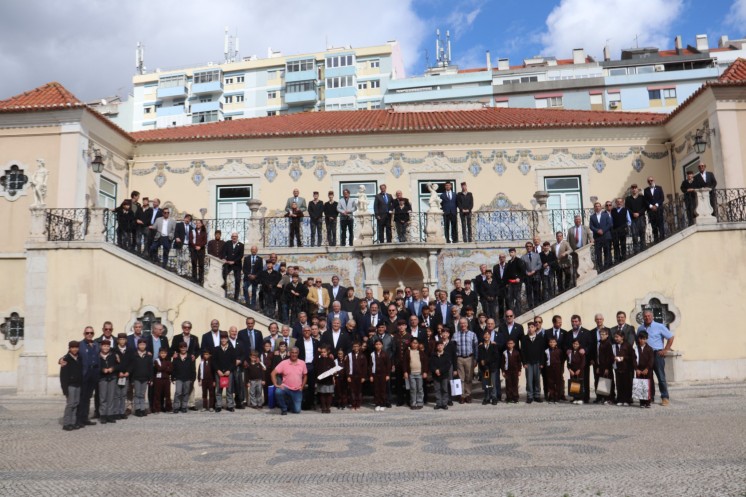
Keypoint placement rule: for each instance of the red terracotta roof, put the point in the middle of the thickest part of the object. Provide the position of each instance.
(390, 121)
(48, 97)
(736, 72)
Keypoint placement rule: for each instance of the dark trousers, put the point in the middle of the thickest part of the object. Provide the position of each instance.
(87, 387)
(239, 386)
(450, 228)
(208, 395)
(533, 290)
(316, 225)
(638, 233)
(356, 390)
(514, 297)
(511, 385)
(623, 387)
(619, 239)
(236, 269)
(198, 264)
(165, 244)
(346, 226)
(401, 232)
(656, 223)
(309, 392)
(254, 284)
(331, 232)
(161, 396)
(124, 239)
(340, 391)
(384, 226)
(587, 382)
(402, 396)
(270, 304)
(465, 227)
(564, 277)
(555, 383)
(603, 253)
(294, 234)
(379, 390)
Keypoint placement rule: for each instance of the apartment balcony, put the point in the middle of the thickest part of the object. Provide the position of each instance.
(174, 110)
(293, 77)
(172, 91)
(206, 106)
(211, 87)
(301, 97)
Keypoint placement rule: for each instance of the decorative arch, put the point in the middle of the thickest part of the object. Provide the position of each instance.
(399, 272)
(664, 310)
(155, 315)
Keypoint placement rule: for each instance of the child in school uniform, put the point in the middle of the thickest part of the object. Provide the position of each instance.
(124, 357)
(575, 365)
(511, 366)
(71, 379)
(440, 365)
(108, 368)
(340, 380)
(605, 365)
(415, 372)
(183, 377)
(280, 355)
(206, 379)
(141, 374)
(554, 368)
(645, 358)
(255, 380)
(162, 382)
(357, 371)
(324, 386)
(380, 370)
(624, 364)
(266, 360)
(488, 359)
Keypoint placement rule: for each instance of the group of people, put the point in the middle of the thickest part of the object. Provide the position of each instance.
(337, 359)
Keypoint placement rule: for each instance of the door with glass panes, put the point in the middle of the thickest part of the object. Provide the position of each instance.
(564, 202)
(232, 210)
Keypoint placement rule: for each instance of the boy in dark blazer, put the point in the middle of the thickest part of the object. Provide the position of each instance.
(356, 374)
(645, 357)
(488, 359)
(510, 365)
(183, 376)
(71, 378)
(624, 358)
(206, 379)
(380, 368)
(554, 367)
(141, 375)
(576, 367)
(162, 383)
(440, 367)
(605, 366)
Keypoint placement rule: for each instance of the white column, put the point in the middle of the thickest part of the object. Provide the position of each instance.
(32, 363)
(704, 208)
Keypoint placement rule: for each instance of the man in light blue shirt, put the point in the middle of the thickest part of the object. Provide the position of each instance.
(656, 335)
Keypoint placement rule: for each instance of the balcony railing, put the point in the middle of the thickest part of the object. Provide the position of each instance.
(67, 225)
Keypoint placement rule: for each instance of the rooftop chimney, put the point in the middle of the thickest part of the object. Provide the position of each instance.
(489, 61)
(702, 44)
(578, 56)
(503, 64)
(677, 43)
(723, 41)
(607, 53)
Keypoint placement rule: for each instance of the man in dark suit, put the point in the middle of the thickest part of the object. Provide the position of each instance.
(558, 333)
(330, 218)
(336, 291)
(250, 337)
(370, 318)
(601, 226)
(301, 323)
(621, 221)
(510, 330)
(585, 338)
(630, 335)
(654, 199)
(383, 209)
(149, 216)
(252, 268)
(181, 232)
(416, 305)
(514, 276)
(185, 337)
(316, 216)
(690, 197)
(336, 339)
(211, 339)
(707, 180)
(442, 310)
(465, 204)
(135, 336)
(155, 343)
(232, 257)
(448, 204)
(337, 313)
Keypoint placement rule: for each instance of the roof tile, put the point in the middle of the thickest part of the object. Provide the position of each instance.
(47, 97)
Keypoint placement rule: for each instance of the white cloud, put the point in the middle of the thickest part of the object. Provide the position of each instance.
(624, 23)
(460, 20)
(737, 16)
(89, 46)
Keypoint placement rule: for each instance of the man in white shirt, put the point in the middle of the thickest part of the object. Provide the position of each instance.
(164, 235)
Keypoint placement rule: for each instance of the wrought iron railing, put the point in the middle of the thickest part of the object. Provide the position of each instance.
(67, 225)
(505, 225)
(730, 204)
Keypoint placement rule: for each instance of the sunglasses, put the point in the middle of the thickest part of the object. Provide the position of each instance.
(88, 333)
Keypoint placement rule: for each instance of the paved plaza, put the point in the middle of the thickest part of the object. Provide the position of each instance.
(695, 447)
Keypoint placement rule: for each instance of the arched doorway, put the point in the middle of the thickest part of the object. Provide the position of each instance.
(399, 272)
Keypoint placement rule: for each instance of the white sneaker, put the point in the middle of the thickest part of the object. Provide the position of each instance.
(383, 408)
(619, 404)
(580, 402)
(378, 408)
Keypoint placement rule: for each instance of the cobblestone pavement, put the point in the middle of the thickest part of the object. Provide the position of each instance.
(694, 447)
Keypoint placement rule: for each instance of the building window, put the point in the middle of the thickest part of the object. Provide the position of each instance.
(375, 105)
(231, 205)
(228, 99)
(423, 192)
(300, 65)
(375, 63)
(239, 98)
(228, 81)
(669, 93)
(271, 95)
(172, 81)
(554, 102)
(362, 86)
(13, 180)
(565, 200)
(205, 117)
(524, 79)
(376, 83)
(148, 320)
(239, 79)
(340, 82)
(206, 76)
(371, 189)
(148, 110)
(339, 61)
(502, 104)
(228, 118)
(276, 74)
(107, 193)
(300, 87)
(273, 112)
(654, 94)
(204, 100)
(12, 328)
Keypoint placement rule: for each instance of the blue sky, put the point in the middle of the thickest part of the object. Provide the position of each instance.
(511, 30)
(89, 45)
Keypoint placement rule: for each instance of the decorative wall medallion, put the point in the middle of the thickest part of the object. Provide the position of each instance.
(397, 170)
(599, 165)
(319, 172)
(270, 174)
(524, 168)
(638, 164)
(499, 168)
(197, 175)
(475, 168)
(160, 179)
(295, 173)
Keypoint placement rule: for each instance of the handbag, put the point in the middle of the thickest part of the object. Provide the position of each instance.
(641, 388)
(224, 381)
(604, 387)
(456, 387)
(575, 387)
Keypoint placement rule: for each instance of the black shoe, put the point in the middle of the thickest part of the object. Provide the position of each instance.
(111, 419)
(528, 401)
(240, 406)
(539, 401)
(192, 408)
(230, 409)
(494, 402)
(175, 411)
(485, 402)
(218, 409)
(388, 405)
(450, 403)
(598, 400)
(88, 423)
(436, 408)
(95, 415)
(183, 411)
(284, 413)
(103, 420)
(68, 428)
(77, 426)
(445, 408)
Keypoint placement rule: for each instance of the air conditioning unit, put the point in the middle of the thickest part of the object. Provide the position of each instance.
(613, 105)
(660, 68)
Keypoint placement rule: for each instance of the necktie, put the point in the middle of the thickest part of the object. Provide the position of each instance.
(529, 257)
(577, 235)
(287, 341)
